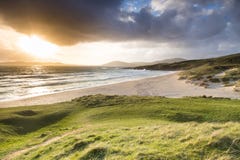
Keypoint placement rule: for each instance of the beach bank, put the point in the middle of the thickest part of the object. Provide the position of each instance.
(168, 86)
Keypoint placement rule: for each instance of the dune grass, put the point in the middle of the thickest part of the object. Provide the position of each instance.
(206, 75)
(204, 72)
(123, 127)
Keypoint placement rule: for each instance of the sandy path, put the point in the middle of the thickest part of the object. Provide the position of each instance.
(49, 141)
(168, 86)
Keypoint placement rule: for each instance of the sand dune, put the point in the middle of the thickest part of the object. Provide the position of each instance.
(168, 86)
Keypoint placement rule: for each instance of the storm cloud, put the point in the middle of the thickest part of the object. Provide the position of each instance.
(67, 22)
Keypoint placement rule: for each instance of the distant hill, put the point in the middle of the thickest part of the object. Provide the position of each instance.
(118, 64)
(228, 60)
(135, 64)
(22, 63)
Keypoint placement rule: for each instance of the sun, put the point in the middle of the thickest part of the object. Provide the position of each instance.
(37, 46)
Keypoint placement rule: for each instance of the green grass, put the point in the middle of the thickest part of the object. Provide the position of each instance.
(206, 74)
(122, 127)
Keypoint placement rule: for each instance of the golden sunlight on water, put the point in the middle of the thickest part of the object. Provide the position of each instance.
(37, 86)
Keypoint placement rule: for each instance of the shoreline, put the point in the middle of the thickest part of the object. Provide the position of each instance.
(135, 79)
(48, 89)
(166, 85)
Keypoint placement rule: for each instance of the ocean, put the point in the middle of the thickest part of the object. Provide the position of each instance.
(29, 81)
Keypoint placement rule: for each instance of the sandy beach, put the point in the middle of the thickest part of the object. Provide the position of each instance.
(168, 86)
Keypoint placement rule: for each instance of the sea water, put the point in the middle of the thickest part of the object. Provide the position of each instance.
(28, 81)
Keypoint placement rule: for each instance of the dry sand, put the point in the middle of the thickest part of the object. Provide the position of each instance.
(168, 86)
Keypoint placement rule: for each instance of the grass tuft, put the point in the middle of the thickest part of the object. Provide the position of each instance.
(98, 153)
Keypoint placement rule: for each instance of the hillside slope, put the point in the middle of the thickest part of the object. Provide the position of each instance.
(120, 127)
(222, 70)
(228, 61)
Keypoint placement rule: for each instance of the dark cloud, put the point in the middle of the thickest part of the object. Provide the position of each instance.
(67, 22)
(61, 21)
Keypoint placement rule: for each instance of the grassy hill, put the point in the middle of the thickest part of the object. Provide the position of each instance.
(225, 61)
(203, 72)
(121, 127)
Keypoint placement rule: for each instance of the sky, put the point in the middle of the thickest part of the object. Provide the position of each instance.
(93, 32)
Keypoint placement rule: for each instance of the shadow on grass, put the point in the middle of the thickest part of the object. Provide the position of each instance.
(98, 153)
(26, 113)
(185, 117)
(144, 156)
(27, 124)
(76, 148)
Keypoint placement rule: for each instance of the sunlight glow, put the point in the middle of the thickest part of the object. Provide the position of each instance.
(37, 46)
